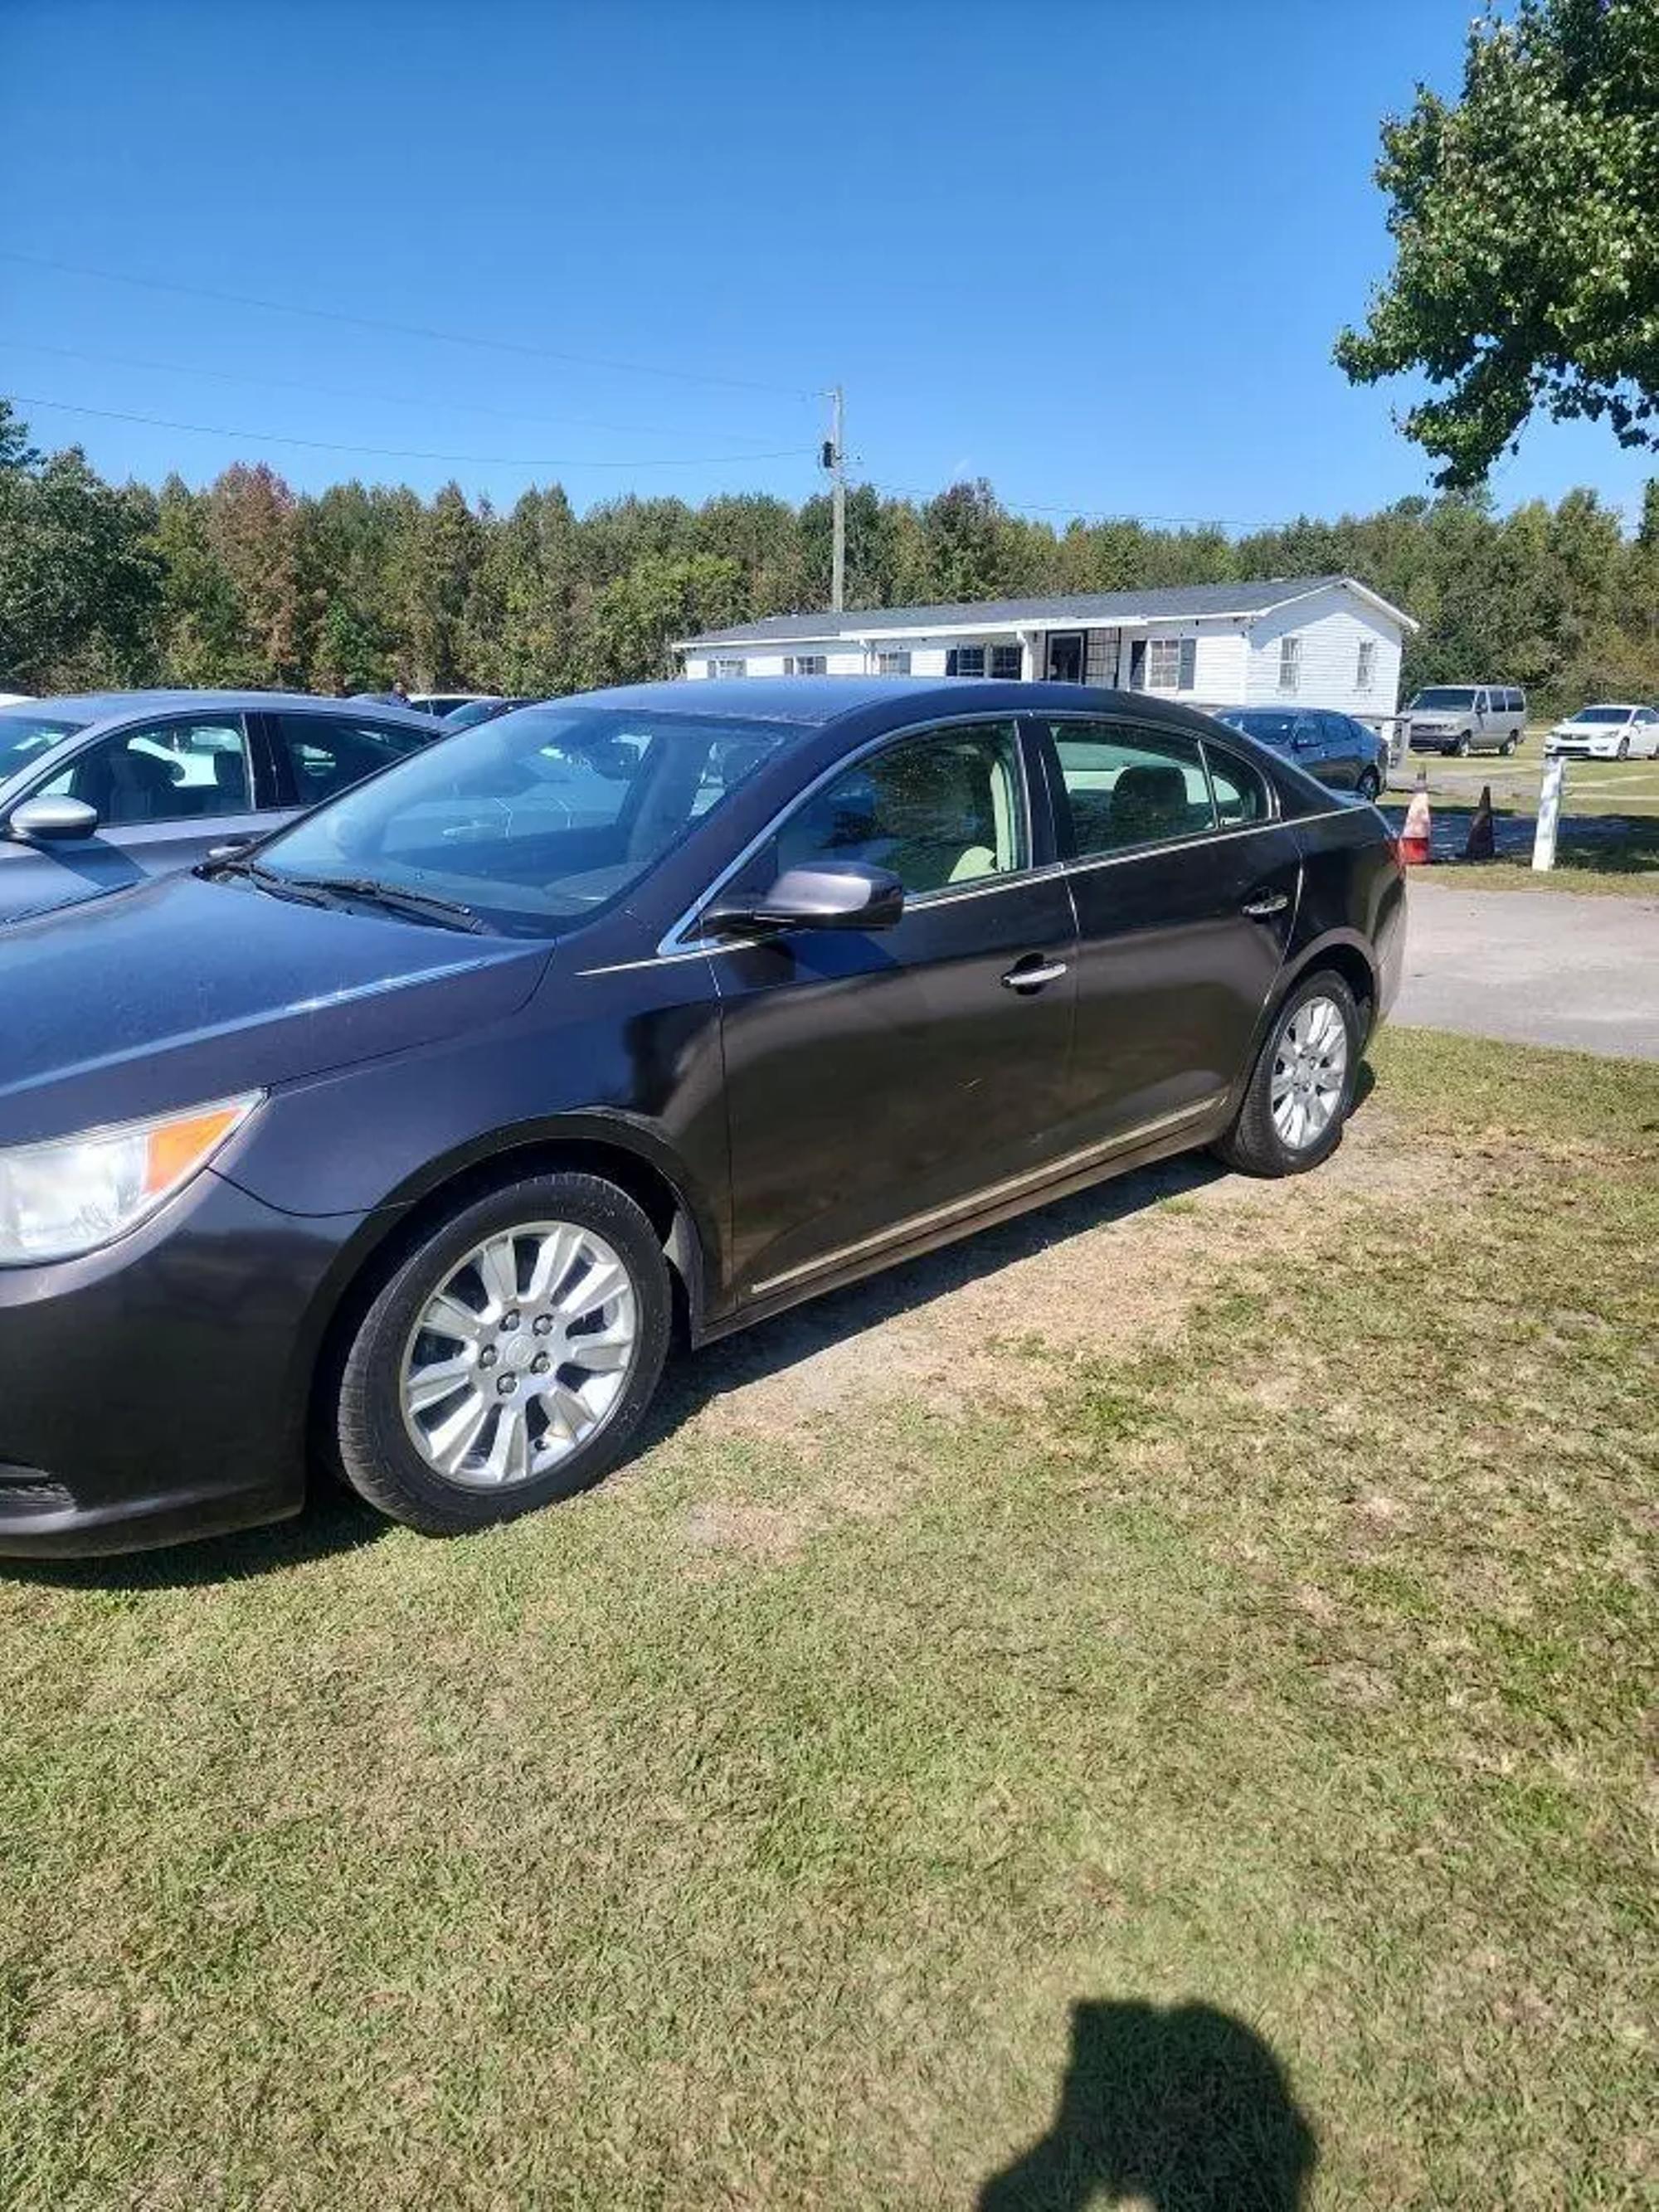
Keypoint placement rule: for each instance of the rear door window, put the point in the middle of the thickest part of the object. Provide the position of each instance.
(1241, 790)
(1128, 786)
(320, 755)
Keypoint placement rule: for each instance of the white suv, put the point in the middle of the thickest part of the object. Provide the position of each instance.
(1609, 732)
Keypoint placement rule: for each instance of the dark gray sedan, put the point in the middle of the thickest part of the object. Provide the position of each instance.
(100, 790)
(1340, 751)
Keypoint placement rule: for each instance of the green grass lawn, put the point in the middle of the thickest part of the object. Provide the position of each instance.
(1250, 1649)
(1588, 859)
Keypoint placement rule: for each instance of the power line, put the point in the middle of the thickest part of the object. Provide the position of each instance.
(1099, 514)
(339, 391)
(403, 452)
(404, 330)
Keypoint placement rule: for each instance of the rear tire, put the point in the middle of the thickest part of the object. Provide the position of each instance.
(1508, 746)
(541, 1419)
(1369, 785)
(1306, 1062)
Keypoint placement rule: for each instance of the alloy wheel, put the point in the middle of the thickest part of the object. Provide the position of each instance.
(519, 1356)
(1310, 1068)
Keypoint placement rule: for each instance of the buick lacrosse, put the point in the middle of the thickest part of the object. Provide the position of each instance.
(408, 1141)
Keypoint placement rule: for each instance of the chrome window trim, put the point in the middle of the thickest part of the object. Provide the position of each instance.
(674, 941)
(1051, 1170)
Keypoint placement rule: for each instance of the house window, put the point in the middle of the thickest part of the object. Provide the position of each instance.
(1007, 663)
(730, 668)
(1169, 664)
(965, 660)
(1365, 667)
(897, 663)
(804, 664)
(1290, 663)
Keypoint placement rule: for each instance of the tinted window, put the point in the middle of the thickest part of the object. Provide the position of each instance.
(1130, 787)
(1269, 726)
(1445, 698)
(537, 819)
(166, 772)
(24, 735)
(326, 756)
(1241, 790)
(946, 808)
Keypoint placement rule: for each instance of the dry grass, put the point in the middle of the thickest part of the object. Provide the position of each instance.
(1225, 1608)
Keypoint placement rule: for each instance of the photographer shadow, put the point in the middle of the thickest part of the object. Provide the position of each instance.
(1180, 2111)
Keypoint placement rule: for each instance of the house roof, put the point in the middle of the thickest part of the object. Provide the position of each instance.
(1177, 602)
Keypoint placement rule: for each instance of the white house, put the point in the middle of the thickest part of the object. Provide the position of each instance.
(1321, 641)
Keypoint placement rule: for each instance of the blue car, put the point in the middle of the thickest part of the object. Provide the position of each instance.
(1339, 750)
(101, 790)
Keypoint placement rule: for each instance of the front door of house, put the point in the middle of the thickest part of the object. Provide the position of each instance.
(1066, 656)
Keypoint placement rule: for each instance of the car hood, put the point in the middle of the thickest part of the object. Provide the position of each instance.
(182, 991)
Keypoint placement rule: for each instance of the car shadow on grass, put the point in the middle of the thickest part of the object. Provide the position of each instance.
(334, 1521)
(1183, 2110)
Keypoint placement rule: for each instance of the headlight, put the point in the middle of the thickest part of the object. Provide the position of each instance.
(72, 1194)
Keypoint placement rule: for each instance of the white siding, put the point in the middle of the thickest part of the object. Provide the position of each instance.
(1218, 662)
(1332, 625)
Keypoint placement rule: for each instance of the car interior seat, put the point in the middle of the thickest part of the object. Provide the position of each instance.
(1148, 802)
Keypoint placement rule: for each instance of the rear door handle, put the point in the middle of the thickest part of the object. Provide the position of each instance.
(1266, 903)
(1021, 977)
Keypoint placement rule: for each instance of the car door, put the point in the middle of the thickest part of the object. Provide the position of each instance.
(1344, 751)
(881, 1084)
(165, 793)
(1310, 744)
(1185, 884)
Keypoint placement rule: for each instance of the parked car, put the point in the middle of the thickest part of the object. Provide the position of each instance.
(1609, 732)
(14, 698)
(482, 710)
(1466, 717)
(103, 789)
(445, 702)
(1339, 750)
(411, 1134)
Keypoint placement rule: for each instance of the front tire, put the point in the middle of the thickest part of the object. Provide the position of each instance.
(1462, 747)
(1623, 748)
(509, 1360)
(1301, 1089)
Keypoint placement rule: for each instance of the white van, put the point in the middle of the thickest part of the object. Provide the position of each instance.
(1466, 717)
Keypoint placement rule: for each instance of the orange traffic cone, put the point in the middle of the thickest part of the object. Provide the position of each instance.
(1414, 837)
(1482, 842)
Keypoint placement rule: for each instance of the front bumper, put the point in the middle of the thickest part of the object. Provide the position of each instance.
(1580, 748)
(159, 1389)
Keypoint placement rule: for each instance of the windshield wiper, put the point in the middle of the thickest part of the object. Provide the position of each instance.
(426, 906)
(325, 891)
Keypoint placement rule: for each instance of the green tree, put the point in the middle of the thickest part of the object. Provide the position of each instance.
(1525, 219)
(636, 616)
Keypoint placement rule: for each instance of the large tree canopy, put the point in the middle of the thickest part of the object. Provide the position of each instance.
(248, 582)
(1526, 227)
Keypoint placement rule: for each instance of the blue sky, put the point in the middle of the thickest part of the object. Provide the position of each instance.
(1094, 250)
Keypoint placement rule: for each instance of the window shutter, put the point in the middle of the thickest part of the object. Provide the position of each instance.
(950, 660)
(1189, 664)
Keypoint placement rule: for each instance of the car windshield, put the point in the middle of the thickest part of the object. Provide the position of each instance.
(25, 734)
(1602, 715)
(476, 710)
(1269, 726)
(543, 817)
(1445, 695)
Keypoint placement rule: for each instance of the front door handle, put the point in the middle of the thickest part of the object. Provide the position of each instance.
(1024, 977)
(1266, 903)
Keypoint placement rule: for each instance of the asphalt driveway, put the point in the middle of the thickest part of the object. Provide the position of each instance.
(1535, 967)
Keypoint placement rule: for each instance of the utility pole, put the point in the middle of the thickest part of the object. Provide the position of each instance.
(835, 461)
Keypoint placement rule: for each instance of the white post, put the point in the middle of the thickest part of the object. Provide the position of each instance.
(1549, 814)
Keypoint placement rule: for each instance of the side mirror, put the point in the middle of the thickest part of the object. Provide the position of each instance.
(831, 895)
(53, 821)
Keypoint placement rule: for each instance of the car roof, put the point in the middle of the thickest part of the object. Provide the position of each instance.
(1601, 706)
(108, 706)
(815, 701)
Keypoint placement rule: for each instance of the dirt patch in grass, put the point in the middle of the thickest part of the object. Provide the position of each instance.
(989, 1324)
